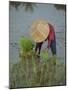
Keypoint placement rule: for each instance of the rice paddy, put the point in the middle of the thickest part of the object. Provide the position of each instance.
(32, 71)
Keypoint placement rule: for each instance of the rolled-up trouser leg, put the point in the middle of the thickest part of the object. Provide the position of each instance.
(38, 47)
(53, 47)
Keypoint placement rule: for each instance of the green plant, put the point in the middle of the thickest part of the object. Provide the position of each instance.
(44, 56)
(25, 44)
(29, 73)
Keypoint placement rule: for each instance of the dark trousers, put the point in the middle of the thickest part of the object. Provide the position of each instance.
(38, 47)
(53, 47)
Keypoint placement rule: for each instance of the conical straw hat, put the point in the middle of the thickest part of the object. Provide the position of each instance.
(39, 30)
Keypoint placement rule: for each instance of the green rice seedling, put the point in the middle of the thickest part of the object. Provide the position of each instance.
(26, 44)
(26, 47)
(29, 73)
(44, 56)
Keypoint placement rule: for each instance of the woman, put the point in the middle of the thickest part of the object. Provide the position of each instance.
(51, 41)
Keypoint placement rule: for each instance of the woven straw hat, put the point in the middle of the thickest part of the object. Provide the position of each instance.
(39, 30)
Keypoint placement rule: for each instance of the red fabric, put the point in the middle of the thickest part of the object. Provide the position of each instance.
(51, 35)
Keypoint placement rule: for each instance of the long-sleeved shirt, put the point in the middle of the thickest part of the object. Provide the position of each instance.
(51, 35)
